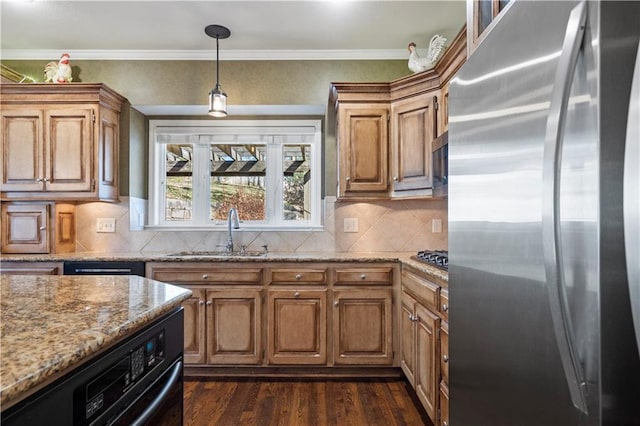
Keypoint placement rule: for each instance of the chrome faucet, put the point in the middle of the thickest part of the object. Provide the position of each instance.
(233, 215)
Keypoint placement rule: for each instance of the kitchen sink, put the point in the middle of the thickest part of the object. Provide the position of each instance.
(219, 253)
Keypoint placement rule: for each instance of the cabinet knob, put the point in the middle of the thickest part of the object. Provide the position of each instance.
(296, 294)
(395, 178)
(336, 303)
(209, 302)
(200, 302)
(205, 276)
(46, 179)
(40, 180)
(410, 317)
(348, 179)
(363, 277)
(444, 423)
(445, 308)
(298, 276)
(42, 228)
(445, 358)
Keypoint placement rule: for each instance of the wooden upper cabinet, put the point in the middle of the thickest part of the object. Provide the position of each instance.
(481, 15)
(414, 125)
(363, 149)
(59, 141)
(25, 228)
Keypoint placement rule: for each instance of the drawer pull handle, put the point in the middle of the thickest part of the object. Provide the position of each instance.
(296, 294)
(363, 277)
(445, 308)
(205, 276)
(445, 358)
(42, 228)
(298, 276)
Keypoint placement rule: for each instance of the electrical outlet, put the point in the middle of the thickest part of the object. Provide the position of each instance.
(351, 224)
(436, 225)
(106, 224)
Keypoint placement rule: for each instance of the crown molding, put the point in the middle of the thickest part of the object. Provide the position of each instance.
(207, 55)
(234, 110)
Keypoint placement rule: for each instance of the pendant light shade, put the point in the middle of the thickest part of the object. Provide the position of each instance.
(217, 97)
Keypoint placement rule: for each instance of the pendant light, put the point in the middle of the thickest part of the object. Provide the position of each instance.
(217, 97)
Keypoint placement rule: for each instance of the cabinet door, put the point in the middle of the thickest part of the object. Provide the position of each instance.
(427, 371)
(413, 129)
(408, 336)
(297, 326)
(25, 228)
(69, 149)
(233, 326)
(194, 327)
(363, 149)
(444, 351)
(444, 405)
(362, 327)
(108, 151)
(21, 144)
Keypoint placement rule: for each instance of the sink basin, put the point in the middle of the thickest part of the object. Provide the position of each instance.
(221, 253)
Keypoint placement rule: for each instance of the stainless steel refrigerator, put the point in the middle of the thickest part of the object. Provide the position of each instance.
(543, 219)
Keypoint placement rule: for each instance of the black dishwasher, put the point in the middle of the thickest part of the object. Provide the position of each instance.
(103, 267)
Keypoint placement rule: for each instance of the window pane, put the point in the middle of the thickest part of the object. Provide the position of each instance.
(296, 181)
(238, 180)
(178, 182)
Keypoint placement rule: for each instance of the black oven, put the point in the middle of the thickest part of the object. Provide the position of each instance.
(139, 382)
(440, 158)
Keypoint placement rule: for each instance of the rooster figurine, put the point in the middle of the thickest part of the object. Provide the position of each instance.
(58, 72)
(416, 63)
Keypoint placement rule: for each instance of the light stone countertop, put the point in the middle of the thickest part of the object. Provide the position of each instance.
(367, 257)
(51, 324)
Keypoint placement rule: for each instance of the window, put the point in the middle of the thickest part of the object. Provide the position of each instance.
(269, 170)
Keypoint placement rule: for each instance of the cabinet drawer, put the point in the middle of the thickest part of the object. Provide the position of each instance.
(424, 291)
(208, 275)
(444, 303)
(298, 276)
(364, 276)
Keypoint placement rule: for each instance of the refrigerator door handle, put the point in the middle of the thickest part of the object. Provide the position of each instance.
(551, 240)
(631, 203)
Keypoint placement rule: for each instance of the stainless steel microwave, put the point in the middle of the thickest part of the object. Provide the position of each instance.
(440, 158)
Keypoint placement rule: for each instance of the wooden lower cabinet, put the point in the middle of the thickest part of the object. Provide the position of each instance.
(297, 326)
(285, 313)
(444, 405)
(234, 326)
(194, 327)
(419, 352)
(223, 326)
(363, 326)
(31, 268)
(424, 340)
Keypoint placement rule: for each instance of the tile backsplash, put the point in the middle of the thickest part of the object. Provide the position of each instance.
(382, 226)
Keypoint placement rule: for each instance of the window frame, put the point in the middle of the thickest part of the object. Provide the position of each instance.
(271, 132)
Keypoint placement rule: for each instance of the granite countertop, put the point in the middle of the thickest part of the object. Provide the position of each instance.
(369, 257)
(51, 324)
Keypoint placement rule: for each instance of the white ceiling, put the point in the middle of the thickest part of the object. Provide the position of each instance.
(172, 30)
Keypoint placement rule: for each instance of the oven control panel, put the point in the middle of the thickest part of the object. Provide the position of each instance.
(108, 386)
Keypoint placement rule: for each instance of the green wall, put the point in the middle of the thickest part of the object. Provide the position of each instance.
(245, 82)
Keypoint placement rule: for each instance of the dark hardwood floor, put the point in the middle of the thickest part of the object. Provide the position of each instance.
(360, 402)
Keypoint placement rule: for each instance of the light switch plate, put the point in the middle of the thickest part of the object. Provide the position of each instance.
(436, 225)
(106, 224)
(350, 224)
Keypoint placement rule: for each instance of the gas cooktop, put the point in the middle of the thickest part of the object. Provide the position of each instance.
(437, 258)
